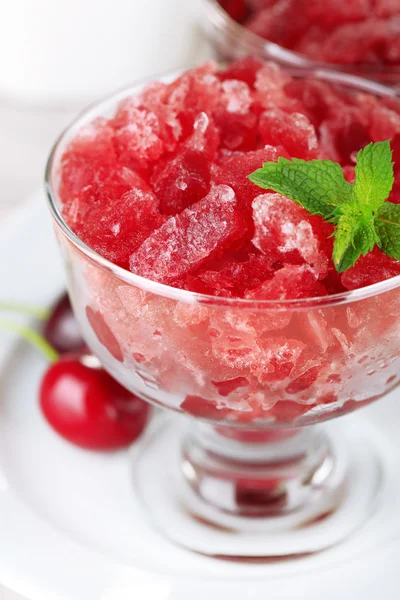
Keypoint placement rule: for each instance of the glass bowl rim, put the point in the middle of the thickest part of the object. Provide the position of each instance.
(219, 17)
(97, 109)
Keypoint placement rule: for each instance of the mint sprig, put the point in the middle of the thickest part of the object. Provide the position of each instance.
(387, 226)
(318, 185)
(360, 213)
(374, 174)
(354, 234)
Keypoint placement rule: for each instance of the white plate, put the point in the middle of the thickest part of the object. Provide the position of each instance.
(70, 526)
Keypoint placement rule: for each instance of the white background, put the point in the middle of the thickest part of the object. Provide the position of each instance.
(56, 55)
(26, 135)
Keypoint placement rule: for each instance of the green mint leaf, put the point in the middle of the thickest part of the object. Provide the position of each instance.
(387, 225)
(374, 174)
(354, 236)
(317, 185)
(359, 211)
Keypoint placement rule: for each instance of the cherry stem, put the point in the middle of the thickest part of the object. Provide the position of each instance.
(26, 309)
(34, 338)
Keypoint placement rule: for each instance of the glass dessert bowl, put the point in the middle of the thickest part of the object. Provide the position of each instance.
(268, 30)
(254, 474)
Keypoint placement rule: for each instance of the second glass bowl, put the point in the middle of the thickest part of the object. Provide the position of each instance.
(232, 40)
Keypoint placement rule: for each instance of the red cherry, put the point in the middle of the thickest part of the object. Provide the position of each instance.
(87, 407)
(62, 330)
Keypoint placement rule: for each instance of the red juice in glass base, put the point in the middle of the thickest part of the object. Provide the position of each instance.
(161, 190)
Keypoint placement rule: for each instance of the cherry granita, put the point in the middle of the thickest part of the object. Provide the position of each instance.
(352, 32)
(161, 189)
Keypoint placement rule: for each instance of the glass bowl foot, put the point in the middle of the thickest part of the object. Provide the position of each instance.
(278, 494)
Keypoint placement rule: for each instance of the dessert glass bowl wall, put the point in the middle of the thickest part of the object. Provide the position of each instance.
(253, 460)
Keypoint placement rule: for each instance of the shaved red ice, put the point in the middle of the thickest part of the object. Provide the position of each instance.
(285, 232)
(161, 189)
(186, 242)
(293, 131)
(370, 269)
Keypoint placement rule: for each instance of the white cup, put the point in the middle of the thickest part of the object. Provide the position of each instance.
(67, 50)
